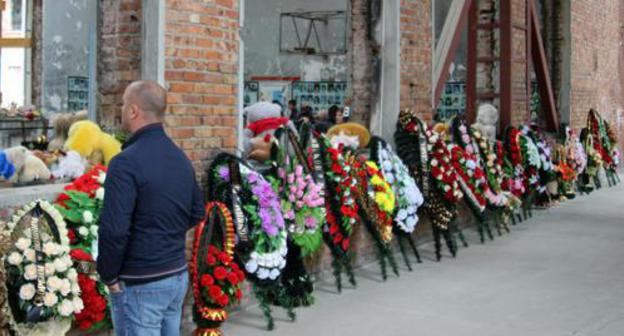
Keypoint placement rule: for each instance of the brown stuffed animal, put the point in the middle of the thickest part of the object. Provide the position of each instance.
(61, 124)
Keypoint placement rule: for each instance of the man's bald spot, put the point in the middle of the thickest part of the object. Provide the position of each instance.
(149, 96)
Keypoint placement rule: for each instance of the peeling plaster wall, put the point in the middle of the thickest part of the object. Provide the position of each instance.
(65, 47)
(261, 36)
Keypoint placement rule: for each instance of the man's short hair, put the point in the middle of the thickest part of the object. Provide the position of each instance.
(149, 96)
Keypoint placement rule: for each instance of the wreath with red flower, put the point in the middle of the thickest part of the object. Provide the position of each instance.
(80, 204)
(442, 171)
(423, 154)
(493, 168)
(341, 207)
(95, 315)
(514, 165)
(216, 277)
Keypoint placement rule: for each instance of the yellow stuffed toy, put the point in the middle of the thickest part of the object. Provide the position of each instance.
(88, 139)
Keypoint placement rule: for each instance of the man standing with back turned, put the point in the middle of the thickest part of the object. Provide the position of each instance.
(151, 201)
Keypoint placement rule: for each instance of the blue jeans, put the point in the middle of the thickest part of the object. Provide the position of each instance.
(151, 309)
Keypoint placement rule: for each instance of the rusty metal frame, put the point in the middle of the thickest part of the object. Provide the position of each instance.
(540, 63)
(471, 75)
(448, 57)
(506, 26)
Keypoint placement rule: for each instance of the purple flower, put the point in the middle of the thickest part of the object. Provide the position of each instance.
(267, 221)
(224, 173)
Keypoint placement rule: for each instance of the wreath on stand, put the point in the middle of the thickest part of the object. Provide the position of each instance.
(303, 206)
(521, 164)
(472, 180)
(260, 228)
(377, 204)
(408, 196)
(603, 140)
(492, 164)
(546, 170)
(41, 282)
(415, 146)
(575, 156)
(341, 207)
(216, 277)
(80, 204)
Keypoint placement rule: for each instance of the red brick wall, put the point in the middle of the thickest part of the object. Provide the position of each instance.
(416, 55)
(119, 57)
(201, 71)
(596, 61)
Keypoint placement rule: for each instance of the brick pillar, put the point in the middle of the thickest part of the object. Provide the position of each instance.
(119, 57)
(361, 63)
(201, 72)
(37, 52)
(416, 44)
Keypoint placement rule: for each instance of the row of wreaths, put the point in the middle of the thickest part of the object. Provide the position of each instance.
(263, 221)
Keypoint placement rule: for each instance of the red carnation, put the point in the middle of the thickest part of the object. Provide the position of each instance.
(239, 294)
(345, 244)
(215, 292)
(223, 300)
(79, 254)
(225, 258)
(232, 278)
(206, 280)
(211, 260)
(220, 273)
(240, 275)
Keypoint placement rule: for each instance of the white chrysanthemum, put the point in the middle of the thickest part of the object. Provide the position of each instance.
(99, 194)
(78, 304)
(263, 273)
(75, 288)
(274, 274)
(23, 243)
(50, 269)
(27, 292)
(30, 255)
(83, 231)
(15, 259)
(68, 261)
(87, 216)
(66, 308)
(30, 272)
(50, 300)
(94, 230)
(60, 266)
(402, 214)
(54, 284)
(45, 237)
(72, 275)
(65, 288)
(101, 178)
(50, 249)
(251, 266)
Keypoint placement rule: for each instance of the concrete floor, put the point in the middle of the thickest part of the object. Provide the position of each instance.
(559, 273)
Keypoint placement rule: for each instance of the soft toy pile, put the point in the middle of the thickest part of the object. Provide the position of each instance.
(265, 221)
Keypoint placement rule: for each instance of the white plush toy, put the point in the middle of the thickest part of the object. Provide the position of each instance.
(71, 166)
(487, 120)
(28, 167)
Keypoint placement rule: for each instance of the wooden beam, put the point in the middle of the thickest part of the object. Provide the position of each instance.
(447, 46)
(505, 65)
(15, 43)
(471, 75)
(540, 63)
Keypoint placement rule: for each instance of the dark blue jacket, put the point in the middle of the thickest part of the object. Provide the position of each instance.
(151, 200)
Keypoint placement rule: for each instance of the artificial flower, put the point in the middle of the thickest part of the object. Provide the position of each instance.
(27, 292)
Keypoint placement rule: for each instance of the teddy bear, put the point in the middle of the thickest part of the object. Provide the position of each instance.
(28, 167)
(61, 124)
(88, 139)
(263, 119)
(487, 120)
(349, 134)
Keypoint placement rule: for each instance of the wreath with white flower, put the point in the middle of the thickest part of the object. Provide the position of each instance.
(423, 152)
(408, 196)
(260, 226)
(41, 280)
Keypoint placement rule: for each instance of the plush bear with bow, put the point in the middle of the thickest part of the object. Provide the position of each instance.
(487, 120)
(263, 119)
